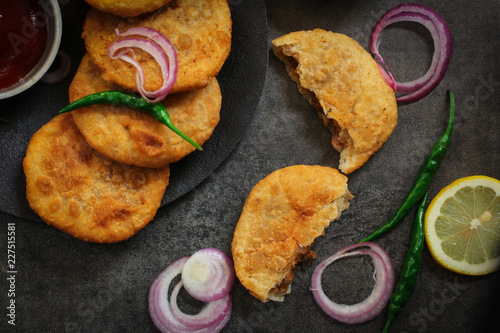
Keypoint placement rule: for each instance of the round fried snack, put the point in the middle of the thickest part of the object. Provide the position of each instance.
(200, 31)
(83, 193)
(134, 137)
(344, 84)
(127, 8)
(283, 215)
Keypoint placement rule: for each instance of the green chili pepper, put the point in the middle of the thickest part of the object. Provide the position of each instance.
(408, 280)
(423, 180)
(157, 110)
(2, 120)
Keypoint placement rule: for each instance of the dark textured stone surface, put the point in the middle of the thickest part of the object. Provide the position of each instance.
(63, 284)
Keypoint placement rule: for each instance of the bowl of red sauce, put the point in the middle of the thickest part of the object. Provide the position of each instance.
(30, 34)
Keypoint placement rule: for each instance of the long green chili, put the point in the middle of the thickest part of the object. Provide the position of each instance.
(408, 279)
(423, 180)
(2, 120)
(157, 110)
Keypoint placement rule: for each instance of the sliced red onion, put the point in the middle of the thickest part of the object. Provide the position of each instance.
(125, 45)
(212, 312)
(160, 48)
(208, 275)
(371, 306)
(61, 72)
(159, 308)
(408, 87)
(386, 75)
(167, 317)
(438, 28)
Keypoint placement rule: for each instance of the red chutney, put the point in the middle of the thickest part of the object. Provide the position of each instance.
(23, 38)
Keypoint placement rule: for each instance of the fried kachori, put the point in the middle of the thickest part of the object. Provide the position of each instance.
(343, 83)
(133, 137)
(83, 193)
(200, 31)
(282, 216)
(127, 8)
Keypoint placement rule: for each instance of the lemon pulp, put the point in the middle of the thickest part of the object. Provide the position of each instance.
(463, 226)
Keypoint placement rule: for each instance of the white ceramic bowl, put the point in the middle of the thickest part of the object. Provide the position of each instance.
(54, 32)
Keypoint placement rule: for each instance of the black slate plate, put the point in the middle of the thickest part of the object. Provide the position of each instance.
(241, 79)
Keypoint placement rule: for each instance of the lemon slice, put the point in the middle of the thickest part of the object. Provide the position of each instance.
(462, 226)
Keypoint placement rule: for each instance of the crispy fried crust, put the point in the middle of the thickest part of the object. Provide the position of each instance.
(79, 191)
(343, 82)
(136, 138)
(200, 30)
(283, 215)
(127, 8)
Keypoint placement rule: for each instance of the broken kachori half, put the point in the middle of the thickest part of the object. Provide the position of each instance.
(200, 31)
(83, 193)
(136, 138)
(282, 216)
(343, 83)
(127, 8)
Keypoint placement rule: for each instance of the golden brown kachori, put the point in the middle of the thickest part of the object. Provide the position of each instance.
(283, 215)
(83, 193)
(343, 83)
(127, 8)
(133, 137)
(200, 31)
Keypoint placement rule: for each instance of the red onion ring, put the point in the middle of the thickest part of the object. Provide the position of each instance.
(441, 35)
(167, 317)
(371, 306)
(208, 275)
(211, 314)
(61, 72)
(160, 48)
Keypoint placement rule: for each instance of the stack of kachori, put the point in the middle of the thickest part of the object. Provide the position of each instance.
(200, 30)
(100, 172)
(132, 137)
